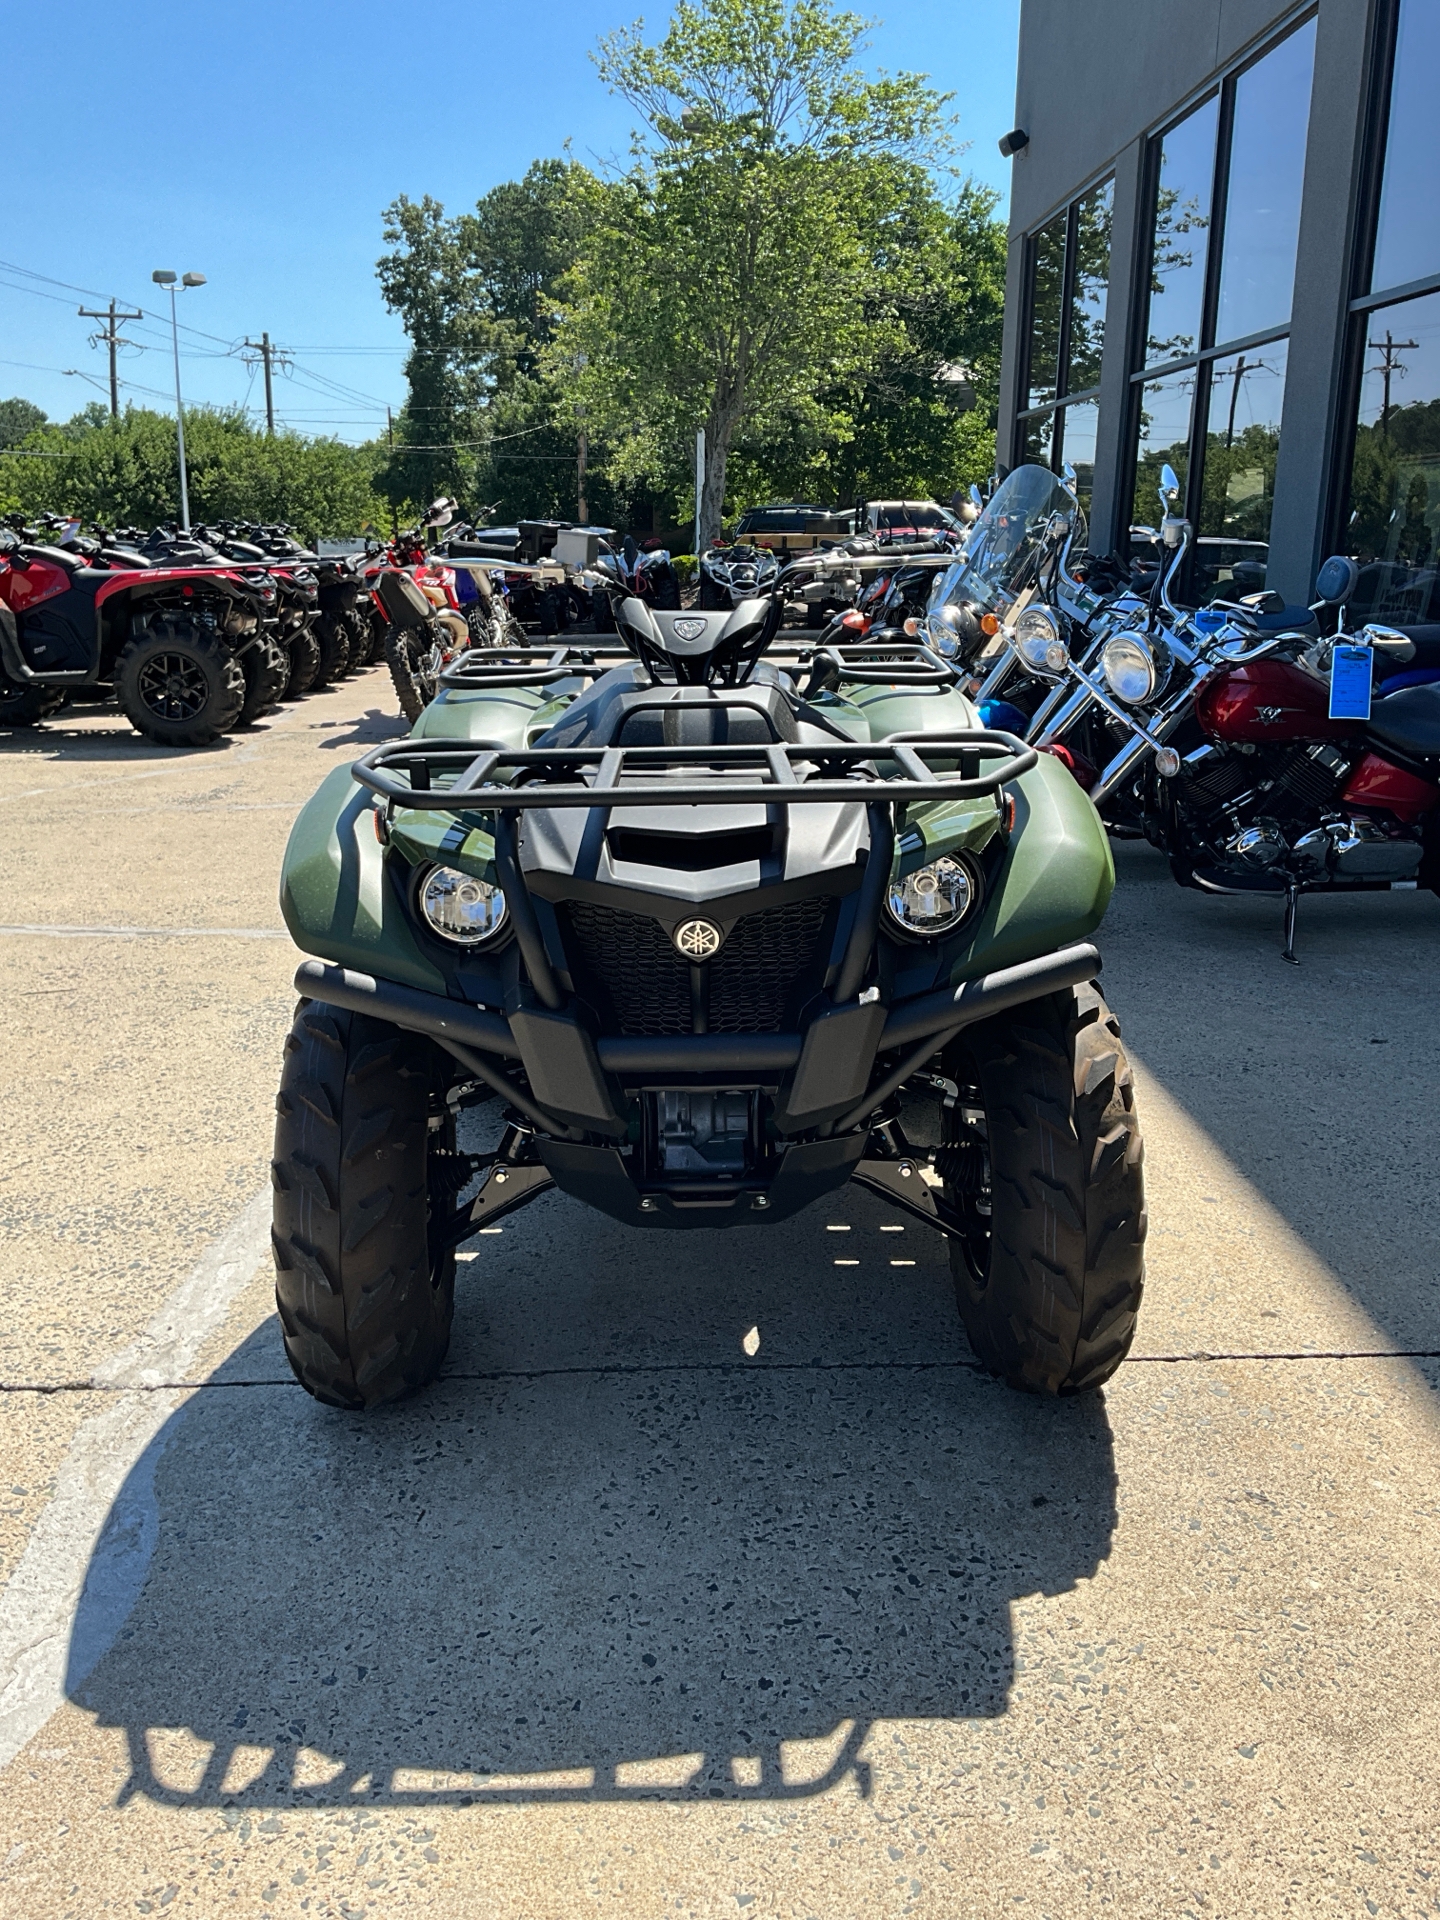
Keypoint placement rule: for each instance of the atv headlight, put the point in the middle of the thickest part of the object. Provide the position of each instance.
(1130, 669)
(934, 899)
(461, 908)
(1038, 641)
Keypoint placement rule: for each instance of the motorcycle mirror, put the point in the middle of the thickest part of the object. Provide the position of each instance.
(1389, 640)
(1069, 477)
(1169, 484)
(976, 497)
(1336, 581)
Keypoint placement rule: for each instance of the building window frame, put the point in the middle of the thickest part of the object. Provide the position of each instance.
(1363, 301)
(1055, 409)
(1209, 350)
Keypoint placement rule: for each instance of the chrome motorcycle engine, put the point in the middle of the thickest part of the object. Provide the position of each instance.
(1360, 849)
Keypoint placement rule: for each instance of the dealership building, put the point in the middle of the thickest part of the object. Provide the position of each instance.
(1225, 255)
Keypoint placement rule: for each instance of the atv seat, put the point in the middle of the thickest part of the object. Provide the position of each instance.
(1408, 722)
(715, 722)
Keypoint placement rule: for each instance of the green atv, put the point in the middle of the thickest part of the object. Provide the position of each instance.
(721, 927)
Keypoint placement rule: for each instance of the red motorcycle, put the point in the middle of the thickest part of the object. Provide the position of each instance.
(1278, 785)
(169, 640)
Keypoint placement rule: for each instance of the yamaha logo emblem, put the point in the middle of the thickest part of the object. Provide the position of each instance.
(687, 627)
(698, 939)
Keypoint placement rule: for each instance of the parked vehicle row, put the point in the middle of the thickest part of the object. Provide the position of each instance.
(196, 633)
(1262, 747)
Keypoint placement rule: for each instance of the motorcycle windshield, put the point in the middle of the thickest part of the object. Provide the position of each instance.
(1030, 514)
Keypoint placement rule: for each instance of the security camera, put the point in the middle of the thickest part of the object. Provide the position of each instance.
(1014, 142)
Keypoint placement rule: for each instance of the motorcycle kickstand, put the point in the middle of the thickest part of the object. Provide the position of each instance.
(1292, 907)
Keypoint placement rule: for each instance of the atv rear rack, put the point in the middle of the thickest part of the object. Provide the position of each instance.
(785, 773)
(479, 669)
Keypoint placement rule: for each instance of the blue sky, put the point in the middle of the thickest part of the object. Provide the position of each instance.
(259, 144)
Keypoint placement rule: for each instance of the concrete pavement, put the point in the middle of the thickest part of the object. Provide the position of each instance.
(623, 1616)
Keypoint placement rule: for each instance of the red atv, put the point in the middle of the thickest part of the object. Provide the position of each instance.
(170, 640)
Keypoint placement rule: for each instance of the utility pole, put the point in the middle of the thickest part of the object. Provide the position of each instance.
(269, 356)
(112, 340)
(1237, 376)
(583, 512)
(1390, 366)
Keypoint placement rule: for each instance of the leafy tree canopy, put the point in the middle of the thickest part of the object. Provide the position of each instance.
(124, 472)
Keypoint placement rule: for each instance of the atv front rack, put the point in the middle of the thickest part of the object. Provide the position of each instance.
(479, 669)
(409, 773)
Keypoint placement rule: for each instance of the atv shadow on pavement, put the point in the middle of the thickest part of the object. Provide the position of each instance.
(608, 1556)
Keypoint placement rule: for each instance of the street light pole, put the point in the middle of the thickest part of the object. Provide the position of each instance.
(165, 279)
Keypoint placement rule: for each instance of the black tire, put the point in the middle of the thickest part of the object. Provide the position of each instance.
(817, 616)
(178, 684)
(402, 656)
(1051, 1187)
(602, 613)
(357, 638)
(334, 645)
(304, 653)
(365, 1307)
(378, 632)
(266, 667)
(28, 706)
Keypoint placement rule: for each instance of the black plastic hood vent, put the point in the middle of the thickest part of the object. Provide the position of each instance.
(690, 852)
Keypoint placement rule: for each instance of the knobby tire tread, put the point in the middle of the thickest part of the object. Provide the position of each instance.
(364, 1317)
(1056, 1311)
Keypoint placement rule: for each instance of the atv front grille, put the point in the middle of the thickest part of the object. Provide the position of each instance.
(754, 980)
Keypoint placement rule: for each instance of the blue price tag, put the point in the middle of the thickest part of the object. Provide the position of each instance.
(1350, 683)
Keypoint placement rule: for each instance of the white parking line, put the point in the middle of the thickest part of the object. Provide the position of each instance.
(88, 1537)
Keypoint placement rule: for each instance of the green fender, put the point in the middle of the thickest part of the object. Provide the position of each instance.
(333, 891)
(1056, 879)
(499, 717)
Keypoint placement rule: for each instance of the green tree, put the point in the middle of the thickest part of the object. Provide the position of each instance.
(724, 280)
(123, 472)
(17, 418)
(478, 295)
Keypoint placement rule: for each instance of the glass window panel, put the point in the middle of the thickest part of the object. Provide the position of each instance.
(1242, 439)
(1164, 437)
(1092, 283)
(1262, 205)
(1079, 425)
(1407, 243)
(1394, 529)
(1045, 310)
(1038, 433)
(1182, 226)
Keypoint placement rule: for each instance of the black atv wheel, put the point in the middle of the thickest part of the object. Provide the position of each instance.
(266, 667)
(1048, 1180)
(357, 639)
(334, 645)
(378, 633)
(360, 1176)
(28, 706)
(414, 687)
(304, 651)
(178, 684)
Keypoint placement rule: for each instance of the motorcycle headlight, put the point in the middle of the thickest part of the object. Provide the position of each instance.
(941, 635)
(1038, 641)
(461, 908)
(933, 899)
(1129, 668)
